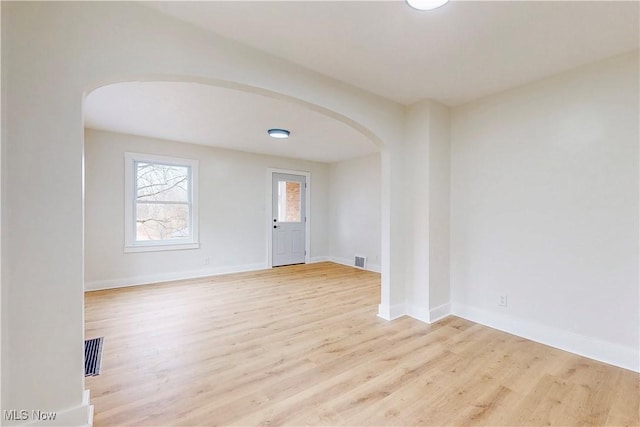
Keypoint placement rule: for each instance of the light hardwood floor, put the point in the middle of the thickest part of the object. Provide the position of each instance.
(302, 345)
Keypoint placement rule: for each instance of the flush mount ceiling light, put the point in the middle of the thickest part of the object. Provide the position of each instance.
(278, 133)
(426, 4)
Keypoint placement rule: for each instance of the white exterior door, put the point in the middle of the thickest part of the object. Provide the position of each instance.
(289, 217)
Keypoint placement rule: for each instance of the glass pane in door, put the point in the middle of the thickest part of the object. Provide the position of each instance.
(289, 199)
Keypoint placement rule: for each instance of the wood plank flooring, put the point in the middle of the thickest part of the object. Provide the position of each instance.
(302, 345)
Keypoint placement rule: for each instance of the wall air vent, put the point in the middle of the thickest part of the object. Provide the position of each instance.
(361, 262)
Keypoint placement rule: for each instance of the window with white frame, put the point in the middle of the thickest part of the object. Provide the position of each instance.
(161, 209)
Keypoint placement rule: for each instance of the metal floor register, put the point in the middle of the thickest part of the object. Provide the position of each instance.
(93, 356)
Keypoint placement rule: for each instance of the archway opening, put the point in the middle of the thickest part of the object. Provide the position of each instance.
(223, 126)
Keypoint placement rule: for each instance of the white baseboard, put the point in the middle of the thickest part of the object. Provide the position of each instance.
(421, 313)
(375, 268)
(439, 312)
(391, 312)
(165, 277)
(86, 401)
(593, 348)
(79, 416)
(97, 285)
(418, 312)
(349, 262)
(424, 314)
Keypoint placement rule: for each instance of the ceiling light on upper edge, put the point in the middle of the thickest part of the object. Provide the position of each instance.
(426, 4)
(278, 133)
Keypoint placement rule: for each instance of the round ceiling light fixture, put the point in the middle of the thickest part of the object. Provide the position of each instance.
(278, 133)
(426, 4)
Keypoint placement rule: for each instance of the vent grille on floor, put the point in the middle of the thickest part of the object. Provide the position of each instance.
(93, 357)
(361, 262)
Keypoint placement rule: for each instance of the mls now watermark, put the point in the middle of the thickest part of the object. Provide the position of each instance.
(24, 415)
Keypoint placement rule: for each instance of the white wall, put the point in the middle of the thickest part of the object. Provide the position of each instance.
(354, 210)
(545, 209)
(53, 53)
(233, 217)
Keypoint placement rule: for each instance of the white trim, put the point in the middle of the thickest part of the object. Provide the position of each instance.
(316, 259)
(439, 312)
(79, 416)
(130, 245)
(422, 313)
(418, 312)
(593, 348)
(391, 312)
(86, 398)
(163, 247)
(269, 213)
(375, 268)
(344, 261)
(166, 277)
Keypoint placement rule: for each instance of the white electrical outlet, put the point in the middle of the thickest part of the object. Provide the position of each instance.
(502, 300)
(206, 261)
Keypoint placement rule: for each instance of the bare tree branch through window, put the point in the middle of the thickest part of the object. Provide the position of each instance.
(162, 201)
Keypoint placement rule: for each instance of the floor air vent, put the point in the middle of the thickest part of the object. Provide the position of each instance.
(361, 262)
(93, 357)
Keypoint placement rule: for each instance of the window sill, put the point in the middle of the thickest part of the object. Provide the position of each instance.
(161, 248)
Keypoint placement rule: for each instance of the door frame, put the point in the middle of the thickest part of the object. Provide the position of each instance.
(269, 213)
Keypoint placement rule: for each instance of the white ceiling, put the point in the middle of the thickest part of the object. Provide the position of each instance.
(221, 117)
(454, 54)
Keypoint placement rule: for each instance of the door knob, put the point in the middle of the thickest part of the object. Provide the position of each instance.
(276, 226)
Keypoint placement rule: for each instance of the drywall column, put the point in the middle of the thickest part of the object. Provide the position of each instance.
(417, 123)
(42, 206)
(392, 304)
(439, 207)
(426, 168)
